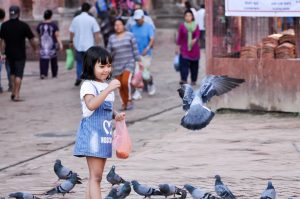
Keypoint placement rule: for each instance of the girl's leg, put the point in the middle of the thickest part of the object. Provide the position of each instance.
(54, 66)
(184, 69)
(44, 64)
(126, 92)
(96, 167)
(194, 66)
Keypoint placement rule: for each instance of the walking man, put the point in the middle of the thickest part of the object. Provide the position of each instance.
(14, 33)
(84, 33)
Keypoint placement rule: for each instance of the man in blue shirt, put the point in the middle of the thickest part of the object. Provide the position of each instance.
(144, 35)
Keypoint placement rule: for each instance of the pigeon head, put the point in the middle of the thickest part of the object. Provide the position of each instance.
(135, 183)
(180, 92)
(113, 168)
(58, 161)
(218, 180)
(270, 185)
(190, 188)
(16, 195)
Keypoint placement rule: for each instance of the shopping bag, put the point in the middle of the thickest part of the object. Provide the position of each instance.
(69, 59)
(121, 140)
(176, 63)
(137, 80)
(146, 74)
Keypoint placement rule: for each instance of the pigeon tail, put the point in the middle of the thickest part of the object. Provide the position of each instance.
(197, 117)
(156, 192)
(51, 192)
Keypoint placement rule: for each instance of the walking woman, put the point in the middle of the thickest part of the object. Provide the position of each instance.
(123, 48)
(188, 47)
(49, 44)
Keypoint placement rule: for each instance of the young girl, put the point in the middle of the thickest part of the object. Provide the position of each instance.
(94, 136)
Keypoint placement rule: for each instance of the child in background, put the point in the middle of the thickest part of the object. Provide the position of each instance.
(94, 136)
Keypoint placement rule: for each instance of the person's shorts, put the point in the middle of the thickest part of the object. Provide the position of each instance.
(17, 67)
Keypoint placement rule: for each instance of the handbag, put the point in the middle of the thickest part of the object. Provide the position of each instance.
(176, 63)
(137, 80)
(121, 140)
(69, 59)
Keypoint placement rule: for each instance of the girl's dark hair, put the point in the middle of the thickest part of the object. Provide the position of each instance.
(47, 14)
(85, 7)
(119, 19)
(189, 11)
(93, 55)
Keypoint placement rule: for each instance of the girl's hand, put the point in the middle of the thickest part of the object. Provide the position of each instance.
(114, 84)
(120, 116)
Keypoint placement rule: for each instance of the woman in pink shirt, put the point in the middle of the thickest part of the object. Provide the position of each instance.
(188, 47)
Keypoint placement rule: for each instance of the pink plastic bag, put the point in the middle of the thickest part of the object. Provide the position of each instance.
(121, 140)
(137, 80)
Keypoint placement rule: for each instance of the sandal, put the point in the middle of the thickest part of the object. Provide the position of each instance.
(12, 97)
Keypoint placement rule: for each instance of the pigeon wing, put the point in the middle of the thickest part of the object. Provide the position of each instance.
(187, 94)
(66, 187)
(217, 85)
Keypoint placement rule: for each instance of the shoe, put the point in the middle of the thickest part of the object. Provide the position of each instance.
(193, 84)
(129, 107)
(43, 76)
(77, 82)
(136, 95)
(151, 89)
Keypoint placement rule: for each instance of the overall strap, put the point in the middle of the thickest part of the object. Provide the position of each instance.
(95, 88)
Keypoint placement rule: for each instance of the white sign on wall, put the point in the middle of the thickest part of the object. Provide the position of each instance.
(262, 8)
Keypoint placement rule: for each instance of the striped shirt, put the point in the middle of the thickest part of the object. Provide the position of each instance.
(124, 52)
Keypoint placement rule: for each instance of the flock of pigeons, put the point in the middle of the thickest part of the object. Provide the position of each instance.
(197, 116)
(122, 188)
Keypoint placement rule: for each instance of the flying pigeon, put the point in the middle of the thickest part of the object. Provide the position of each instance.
(114, 178)
(144, 190)
(269, 192)
(64, 187)
(169, 189)
(198, 193)
(22, 195)
(222, 190)
(63, 172)
(197, 115)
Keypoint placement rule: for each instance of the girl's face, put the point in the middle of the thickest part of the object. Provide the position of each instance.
(119, 27)
(188, 17)
(102, 71)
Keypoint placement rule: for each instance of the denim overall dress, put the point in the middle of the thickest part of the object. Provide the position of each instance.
(94, 136)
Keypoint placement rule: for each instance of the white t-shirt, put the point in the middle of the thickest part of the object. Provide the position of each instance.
(201, 17)
(84, 26)
(88, 88)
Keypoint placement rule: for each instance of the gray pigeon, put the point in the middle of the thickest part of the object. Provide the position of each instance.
(63, 172)
(198, 193)
(64, 187)
(112, 194)
(114, 178)
(124, 190)
(198, 116)
(269, 192)
(22, 195)
(222, 190)
(183, 194)
(144, 190)
(169, 189)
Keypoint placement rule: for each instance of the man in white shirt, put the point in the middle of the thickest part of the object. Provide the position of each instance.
(84, 33)
(201, 24)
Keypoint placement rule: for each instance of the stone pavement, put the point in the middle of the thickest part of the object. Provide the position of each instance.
(245, 149)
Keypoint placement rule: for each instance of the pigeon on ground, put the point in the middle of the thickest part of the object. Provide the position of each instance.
(269, 192)
(124, 190)
(198, 116)
(112, 194)
(222, 190)
(198, 193)
(22, 195)
(114, 178)
(63, 172)
(183, 194)
(144, 190)
(64, 187)
(169, 189)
